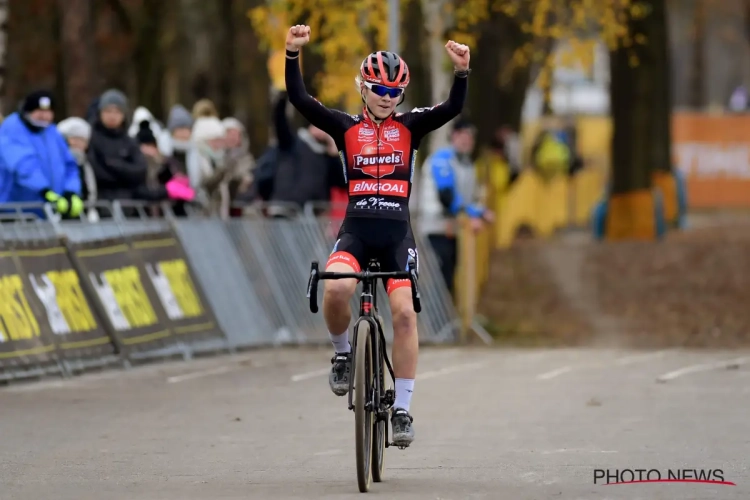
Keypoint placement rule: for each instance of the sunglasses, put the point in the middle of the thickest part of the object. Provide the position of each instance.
(382, 90)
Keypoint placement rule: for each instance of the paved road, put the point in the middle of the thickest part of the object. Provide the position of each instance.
(494, 424)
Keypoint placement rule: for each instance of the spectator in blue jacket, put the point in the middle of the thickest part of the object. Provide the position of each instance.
(35, 162)
(449, 187)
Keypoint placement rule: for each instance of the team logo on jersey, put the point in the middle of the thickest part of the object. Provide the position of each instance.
(391, 134)
(378, 159)
(389, 188)
(365, 134)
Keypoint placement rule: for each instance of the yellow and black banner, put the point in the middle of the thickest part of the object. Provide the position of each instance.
(66, 311)
(24, 339)
(185, 309)
(95, 299)
(122, 293)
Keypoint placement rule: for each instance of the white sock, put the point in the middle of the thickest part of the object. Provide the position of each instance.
(340, 342)
(404, 390)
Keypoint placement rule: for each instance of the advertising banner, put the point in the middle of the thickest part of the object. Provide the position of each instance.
(123, 294)
(713, 152)
(184, 304)
(77, 331)
(23, 339)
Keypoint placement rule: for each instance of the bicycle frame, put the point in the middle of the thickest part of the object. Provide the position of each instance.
(368, 311)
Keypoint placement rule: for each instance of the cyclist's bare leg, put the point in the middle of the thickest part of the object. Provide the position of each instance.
(336, 297)
(337, 315)
(405, 339)
(405, 354)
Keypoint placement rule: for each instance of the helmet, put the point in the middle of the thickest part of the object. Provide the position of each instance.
(385, 68)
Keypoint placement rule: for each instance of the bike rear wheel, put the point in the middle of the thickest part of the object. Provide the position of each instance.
(379, 430)
(363, 416)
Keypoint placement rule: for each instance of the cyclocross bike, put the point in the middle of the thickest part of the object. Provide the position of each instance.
(371, 400)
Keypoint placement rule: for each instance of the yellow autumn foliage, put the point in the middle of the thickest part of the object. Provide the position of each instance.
(338, 30)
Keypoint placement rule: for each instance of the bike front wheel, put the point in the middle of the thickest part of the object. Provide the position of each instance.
(363, 415)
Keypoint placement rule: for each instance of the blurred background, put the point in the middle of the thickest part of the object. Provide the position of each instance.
(610, 140)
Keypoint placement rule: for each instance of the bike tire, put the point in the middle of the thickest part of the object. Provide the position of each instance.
(363, 376)
(379, 430)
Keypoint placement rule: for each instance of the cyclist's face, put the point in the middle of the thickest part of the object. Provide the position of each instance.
(380, 106)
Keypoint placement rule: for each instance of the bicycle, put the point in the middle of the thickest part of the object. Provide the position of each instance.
(371, 401)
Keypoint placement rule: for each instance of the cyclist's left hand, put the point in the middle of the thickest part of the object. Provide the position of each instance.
(459, 55)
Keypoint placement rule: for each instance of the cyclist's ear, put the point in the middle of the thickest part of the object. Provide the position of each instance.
(403, 96)
(361, 87)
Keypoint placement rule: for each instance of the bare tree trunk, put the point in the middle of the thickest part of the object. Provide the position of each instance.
(698, 66)
(77, 48)
(639, 109)
(224, 65)
(414, 35)
(436, 25)
(170, 88)
(497, 93)
(641, 114)
(33, 54)
(252, 81)
(3, 48)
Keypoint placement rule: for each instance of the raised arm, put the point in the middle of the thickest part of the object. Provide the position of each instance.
(330, 121)
(422, 121)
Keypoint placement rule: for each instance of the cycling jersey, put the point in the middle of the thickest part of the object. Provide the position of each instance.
(377, 159)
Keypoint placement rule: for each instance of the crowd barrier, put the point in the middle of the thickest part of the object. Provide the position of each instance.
(79, 294)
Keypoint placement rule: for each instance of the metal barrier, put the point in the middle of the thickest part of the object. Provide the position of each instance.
(246, 278)
(221, 273)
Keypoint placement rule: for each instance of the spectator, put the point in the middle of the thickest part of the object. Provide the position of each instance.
(551, 156)
(240, 161)
(179, 124)
(119, 166)
(511, 142)
(449, 186)
(739, 100)
(493, 170)
(36, 165)
(163, 142)
(308, 165)
(207, 169)
(77, 133)
(162, 181)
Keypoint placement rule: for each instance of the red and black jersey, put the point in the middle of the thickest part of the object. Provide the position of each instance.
(377, 159)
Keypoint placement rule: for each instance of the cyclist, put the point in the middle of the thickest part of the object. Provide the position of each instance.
(377, 148)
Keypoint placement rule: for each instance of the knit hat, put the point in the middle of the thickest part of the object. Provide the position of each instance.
(204, 108)
(39, 99)
(463, 123)
(207, 128)
(114, 97)
(179, 117)
(145, 135)
(74, 127)
(233, 123)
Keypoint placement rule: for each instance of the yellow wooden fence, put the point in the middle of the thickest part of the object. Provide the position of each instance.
(543, 207)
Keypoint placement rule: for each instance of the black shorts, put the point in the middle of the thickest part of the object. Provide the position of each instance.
(389, 241)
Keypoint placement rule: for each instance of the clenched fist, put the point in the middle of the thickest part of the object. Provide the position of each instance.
(297, 36)
(459, 54)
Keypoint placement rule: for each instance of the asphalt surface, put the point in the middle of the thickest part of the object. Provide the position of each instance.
(494, 424)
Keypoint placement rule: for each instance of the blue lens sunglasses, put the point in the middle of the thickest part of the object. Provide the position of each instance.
(382, 90)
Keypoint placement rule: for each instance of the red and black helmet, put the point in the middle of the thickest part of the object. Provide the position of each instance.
(385, 68)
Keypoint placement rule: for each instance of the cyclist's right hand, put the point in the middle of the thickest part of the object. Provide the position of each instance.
(297, 36)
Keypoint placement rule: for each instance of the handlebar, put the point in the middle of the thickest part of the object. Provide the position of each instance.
(368, 276)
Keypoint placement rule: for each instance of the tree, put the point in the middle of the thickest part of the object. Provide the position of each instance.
(340, 36)
(77, 54)
(32, 51)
